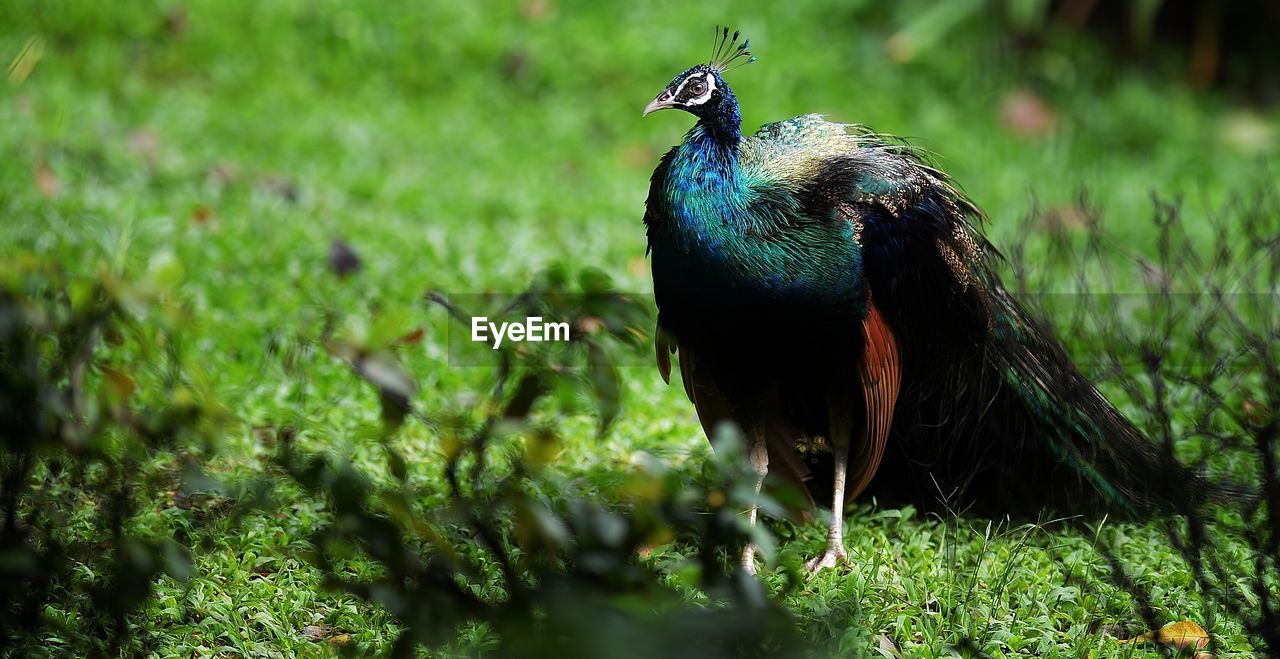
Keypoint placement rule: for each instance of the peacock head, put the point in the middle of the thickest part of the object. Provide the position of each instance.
(701, 91)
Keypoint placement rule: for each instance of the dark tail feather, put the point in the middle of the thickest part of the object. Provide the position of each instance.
(1013, 427)
(1108, 464)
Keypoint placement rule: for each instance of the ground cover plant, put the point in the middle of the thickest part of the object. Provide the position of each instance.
(262, 196)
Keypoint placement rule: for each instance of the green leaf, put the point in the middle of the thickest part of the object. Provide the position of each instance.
(395, 387)
(606, 386)
(396, 463)
(120, 383)
(176, 560)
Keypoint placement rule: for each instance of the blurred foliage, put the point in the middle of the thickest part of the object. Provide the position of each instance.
(1207, 42)
(92, 385)
(1194, 353)
(569, 570)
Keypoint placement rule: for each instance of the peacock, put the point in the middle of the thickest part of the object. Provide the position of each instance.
(832, 293)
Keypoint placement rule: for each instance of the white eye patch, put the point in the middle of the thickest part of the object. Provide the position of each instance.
(711, 87)
(680, 93)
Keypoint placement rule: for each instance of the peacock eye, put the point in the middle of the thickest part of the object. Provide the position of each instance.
(697, 88)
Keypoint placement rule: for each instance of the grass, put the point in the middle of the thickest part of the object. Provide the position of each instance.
(463, 147)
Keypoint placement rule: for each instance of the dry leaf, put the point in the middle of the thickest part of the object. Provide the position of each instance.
(317, 632)
(1026, 114)
(535, 9)
(413, 337)
(326, 633)
(901, 48)
(887, 648)
(590, 325)
(1255, 412)
(1064, 219)
(46, 181)
(1181, 634)
(201, 215)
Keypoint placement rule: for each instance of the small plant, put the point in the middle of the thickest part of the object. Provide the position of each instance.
(1195, 353)
(92, 388)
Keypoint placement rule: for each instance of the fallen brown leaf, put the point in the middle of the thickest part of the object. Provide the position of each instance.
(1181, 634)
(317, 632)
(413, 337)
(535, 9)
(1024, 113)
(1255, 412)
(590, 325)
(46, 181)
(1062, 220)
(201, 215)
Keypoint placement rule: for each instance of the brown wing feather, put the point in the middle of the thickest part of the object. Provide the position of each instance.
(881, 374)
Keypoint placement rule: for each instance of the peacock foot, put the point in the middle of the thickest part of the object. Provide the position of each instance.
(829, 558)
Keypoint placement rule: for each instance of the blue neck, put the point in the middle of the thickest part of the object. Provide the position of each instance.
(705, 191)
(707, 152)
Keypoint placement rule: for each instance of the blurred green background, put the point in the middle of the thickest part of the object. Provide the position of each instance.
(464, 146)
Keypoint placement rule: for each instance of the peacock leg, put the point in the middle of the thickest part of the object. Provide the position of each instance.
(759, 457)
(835, 552)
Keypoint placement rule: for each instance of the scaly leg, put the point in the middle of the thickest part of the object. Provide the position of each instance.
(835, 552)
(759, 456)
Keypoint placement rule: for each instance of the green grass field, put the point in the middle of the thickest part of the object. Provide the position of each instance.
(463, 147)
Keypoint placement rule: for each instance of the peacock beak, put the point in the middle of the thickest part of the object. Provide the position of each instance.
(663, 102)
